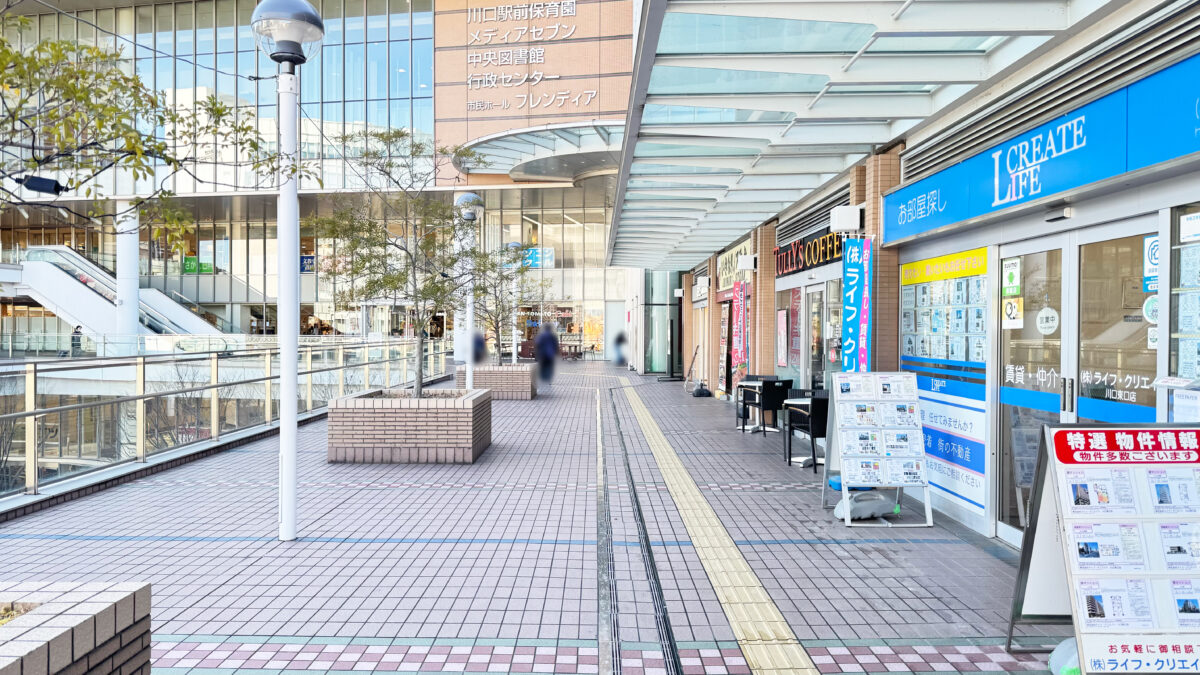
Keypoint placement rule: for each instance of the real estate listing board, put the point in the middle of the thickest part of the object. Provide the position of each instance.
(875, 433)
(1125, 514)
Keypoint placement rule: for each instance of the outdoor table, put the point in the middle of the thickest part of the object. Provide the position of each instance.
(757, 426)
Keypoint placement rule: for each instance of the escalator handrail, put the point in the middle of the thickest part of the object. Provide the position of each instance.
(69, 258)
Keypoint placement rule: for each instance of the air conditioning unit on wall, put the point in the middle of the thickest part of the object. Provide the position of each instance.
(845, 219)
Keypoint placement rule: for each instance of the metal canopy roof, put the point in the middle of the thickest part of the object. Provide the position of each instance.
(557, 152)
(740, 108)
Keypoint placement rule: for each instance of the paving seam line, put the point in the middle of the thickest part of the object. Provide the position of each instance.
(607, 619)
(767, 641)
(662, 622)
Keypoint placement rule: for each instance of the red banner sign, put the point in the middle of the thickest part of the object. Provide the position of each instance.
(1127, 446)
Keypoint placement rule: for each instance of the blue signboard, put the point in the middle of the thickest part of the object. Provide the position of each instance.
(308, 264)
(856, 305)
(539, 257)
(1148, 122)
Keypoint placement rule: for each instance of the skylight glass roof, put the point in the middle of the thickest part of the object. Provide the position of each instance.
(648, 149)
(936, 43)
(642, 184)
(680, 80)
(752, 104)
(691, 114)
(664, 169)
(684, 33)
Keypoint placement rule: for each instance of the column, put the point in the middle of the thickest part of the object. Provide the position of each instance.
(763, 321)
(714, 326)
(128, 272)
(882, 174)
(687, 332)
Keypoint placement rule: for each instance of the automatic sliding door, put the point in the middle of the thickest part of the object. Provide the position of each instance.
(1118, 316)
(1031, 366)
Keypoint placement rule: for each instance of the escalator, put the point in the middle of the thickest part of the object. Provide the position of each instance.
(83, 293)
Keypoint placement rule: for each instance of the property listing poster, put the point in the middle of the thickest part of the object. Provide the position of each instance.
(878, 426)
(1130, 520)
(944, 342)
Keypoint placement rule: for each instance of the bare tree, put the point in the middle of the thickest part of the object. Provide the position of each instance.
(413, 253)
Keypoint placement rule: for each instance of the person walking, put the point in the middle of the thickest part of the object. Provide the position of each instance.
(545, 350)
(77, 341)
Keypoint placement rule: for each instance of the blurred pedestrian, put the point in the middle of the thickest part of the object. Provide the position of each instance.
(619, 343)
(545, 350)
(478, 348)
(77, 341)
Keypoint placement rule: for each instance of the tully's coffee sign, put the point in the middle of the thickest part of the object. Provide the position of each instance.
(812, 251)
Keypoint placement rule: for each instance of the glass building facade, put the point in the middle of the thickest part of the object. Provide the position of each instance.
(374, 70)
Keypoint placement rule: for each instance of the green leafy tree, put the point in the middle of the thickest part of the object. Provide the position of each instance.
(414, 253)
(75, 113)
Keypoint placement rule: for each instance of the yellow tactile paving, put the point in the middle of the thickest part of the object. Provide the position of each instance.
(767, 641)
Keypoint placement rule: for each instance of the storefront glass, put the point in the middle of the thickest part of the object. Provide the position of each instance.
(813, 331)
(1118, 332)
(1031, 361)
(795, 351)
(943, 333)
(1185, 310)
(662, 323)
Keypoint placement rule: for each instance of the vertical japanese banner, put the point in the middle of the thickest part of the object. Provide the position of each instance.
(796, 318)
(737, 360)
(722, 363)
(856, 305)
(739, 336)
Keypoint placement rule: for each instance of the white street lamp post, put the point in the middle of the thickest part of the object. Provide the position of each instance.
(290, 32)
(470, 209)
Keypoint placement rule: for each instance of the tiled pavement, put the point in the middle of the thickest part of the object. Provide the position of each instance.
(493, 567)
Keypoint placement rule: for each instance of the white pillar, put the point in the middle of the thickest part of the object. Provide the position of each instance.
(469, 329)
(128, 295)
(462, 343)
(515, 312)
(287, 310)
(515, 308)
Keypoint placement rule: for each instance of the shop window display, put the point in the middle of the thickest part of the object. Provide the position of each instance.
(943, 340)
(1185, 311)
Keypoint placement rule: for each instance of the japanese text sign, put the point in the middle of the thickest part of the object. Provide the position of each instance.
(1128, 502)
(856, 305)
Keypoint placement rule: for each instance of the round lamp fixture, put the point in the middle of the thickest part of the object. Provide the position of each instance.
(289, 31)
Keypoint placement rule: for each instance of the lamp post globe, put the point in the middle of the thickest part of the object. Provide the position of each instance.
(289, 31)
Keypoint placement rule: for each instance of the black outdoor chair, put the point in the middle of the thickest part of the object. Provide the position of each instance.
(813, 424)
(769, 399)
(739, 400)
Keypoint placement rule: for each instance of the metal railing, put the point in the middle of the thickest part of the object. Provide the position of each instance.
(194, 307)
(65, 345)
(63, 420)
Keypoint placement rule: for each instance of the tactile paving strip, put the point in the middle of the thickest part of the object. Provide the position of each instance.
(768, 643)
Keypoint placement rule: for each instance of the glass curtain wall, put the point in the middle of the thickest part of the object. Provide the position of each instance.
(568, 229)
(374, 69)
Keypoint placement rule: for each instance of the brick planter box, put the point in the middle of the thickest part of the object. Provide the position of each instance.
(388, 426)
(506, 382)
(75, 628)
